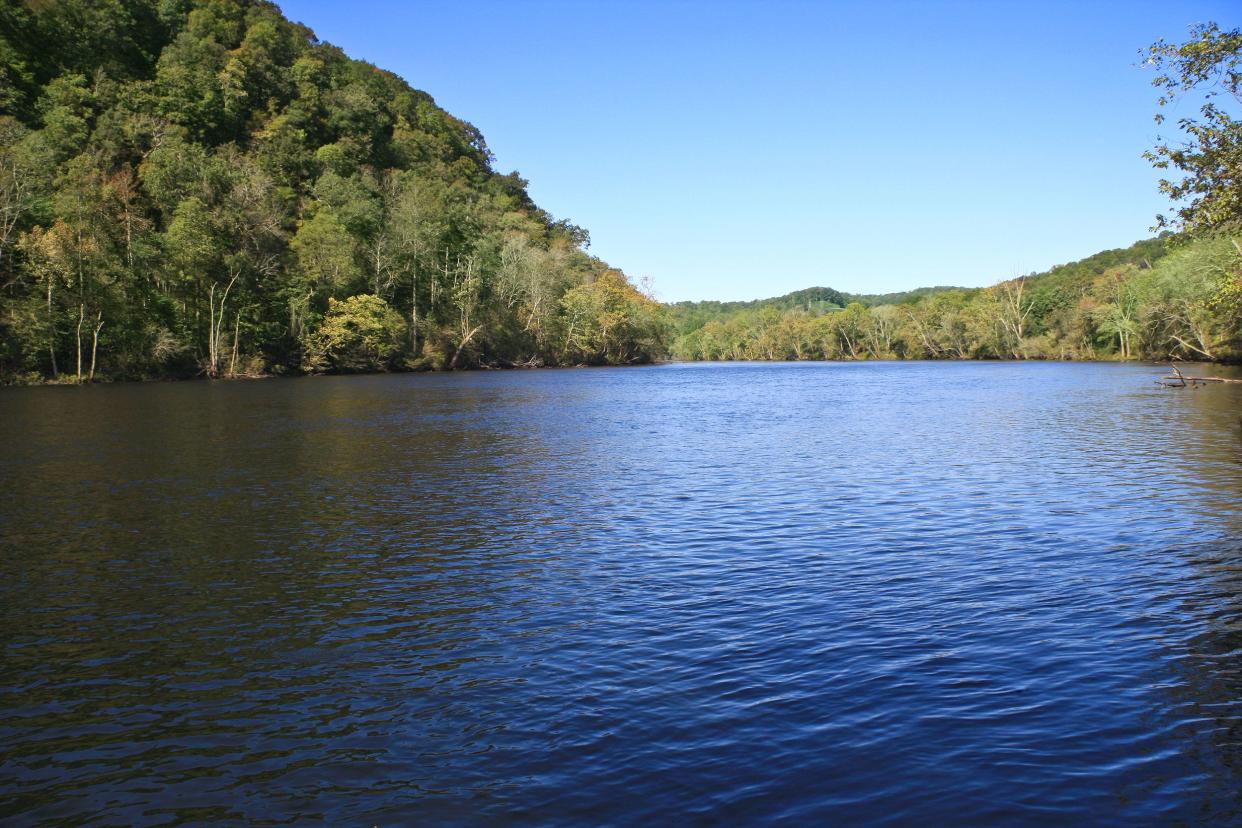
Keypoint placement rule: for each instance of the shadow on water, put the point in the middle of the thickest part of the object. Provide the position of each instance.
(190, 565)
(1207, 606)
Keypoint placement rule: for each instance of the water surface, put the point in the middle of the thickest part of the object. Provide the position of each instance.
(864, 593)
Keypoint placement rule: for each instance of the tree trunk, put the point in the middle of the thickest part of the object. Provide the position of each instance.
(236, 335)
(414, 308)
(81, 316)
(461, 346)
(211, 330)
(95, 343)
(214, 324)
(51, 330)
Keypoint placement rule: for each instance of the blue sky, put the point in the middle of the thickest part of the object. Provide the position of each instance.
(732, 150)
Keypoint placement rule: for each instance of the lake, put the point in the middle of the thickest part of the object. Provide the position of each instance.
(869, 593)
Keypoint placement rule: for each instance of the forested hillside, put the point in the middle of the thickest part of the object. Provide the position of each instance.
(200, 187)
(1177, 296)
(690, 316)
(1158, 298)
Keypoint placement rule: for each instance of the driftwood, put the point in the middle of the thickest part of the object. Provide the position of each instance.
(1180, 380)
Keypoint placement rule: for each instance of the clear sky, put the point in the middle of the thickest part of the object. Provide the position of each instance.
(737, 150)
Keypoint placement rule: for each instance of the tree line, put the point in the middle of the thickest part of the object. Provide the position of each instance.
(201, 187)
(1161, 298)
(1177, 296)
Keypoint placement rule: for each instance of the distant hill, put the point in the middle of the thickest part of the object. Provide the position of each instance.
(689, 315)
(1156, 299)
(903, 297)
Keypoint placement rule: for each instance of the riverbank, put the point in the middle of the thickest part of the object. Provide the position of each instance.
(68, 381)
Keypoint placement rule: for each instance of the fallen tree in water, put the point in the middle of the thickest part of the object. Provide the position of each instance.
(1180, 380)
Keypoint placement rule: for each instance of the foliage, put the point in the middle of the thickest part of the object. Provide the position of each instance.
(611, 323)
(202, 187)
(1209, 195)
(1152, 300)
(361, 333)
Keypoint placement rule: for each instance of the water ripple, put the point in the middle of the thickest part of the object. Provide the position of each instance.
(876, 594)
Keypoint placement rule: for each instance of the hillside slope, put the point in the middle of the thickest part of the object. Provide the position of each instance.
(1159, 298)
(202, 187)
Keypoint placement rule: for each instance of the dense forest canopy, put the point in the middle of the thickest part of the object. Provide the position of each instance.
(201, 187)
(1160, 298)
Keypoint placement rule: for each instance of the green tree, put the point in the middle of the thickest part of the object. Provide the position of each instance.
(608, 322)
(1209, 194)
(326, 254)
(361, 333)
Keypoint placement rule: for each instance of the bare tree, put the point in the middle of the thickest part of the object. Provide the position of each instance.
(214, 325)
(1015, 307)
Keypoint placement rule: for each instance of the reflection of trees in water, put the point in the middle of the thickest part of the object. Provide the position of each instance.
(270, 565)
(1209, 446)
(1207, 702)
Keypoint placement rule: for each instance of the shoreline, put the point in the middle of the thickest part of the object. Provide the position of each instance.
(50, 383)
